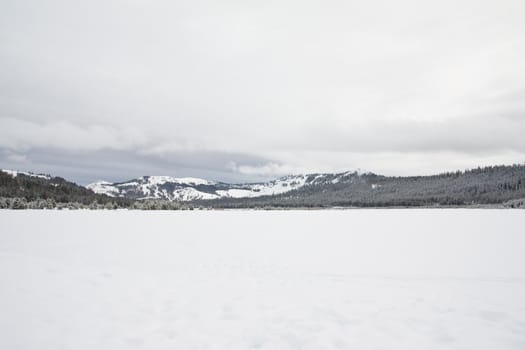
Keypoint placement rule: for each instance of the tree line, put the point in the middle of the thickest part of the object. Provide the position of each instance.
(495, 185)
(30, 192)
(480, 186)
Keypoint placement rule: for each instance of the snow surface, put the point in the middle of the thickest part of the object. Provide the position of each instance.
(278, 186)
(103, 187)
(189, 193)
(270, 188)
(158, 180)
(149, 187)
(14, 173)
(333, 279)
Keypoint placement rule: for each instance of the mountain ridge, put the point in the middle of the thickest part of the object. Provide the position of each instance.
(494, 185)
(189, 189)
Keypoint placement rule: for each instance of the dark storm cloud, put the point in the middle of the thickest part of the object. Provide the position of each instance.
(113, 165)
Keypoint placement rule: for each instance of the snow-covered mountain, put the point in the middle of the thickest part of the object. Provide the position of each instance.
(187, 189)
(15, 173)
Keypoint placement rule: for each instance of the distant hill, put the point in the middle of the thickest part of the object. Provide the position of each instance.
(191, 189)
(495, 185)
(49, 191)
(481, 186)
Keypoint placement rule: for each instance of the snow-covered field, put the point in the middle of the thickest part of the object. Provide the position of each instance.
(355, 279)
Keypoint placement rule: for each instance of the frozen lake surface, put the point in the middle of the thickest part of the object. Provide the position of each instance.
(354, 279)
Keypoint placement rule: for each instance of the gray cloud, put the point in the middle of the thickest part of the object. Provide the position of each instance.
(119, 165)
(247, 90)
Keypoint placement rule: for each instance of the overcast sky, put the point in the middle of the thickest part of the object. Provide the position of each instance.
(250, 90)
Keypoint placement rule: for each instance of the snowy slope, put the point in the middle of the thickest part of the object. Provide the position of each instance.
(158, 187)
(15, 173)
(186, 189)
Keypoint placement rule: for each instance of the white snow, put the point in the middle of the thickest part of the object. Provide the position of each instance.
(334, 279)
(103, 187)
(14, 173)
(236, 193)
(149, 187)
(189, 193)
(180, 194)
(159, 180)
(279, 186)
